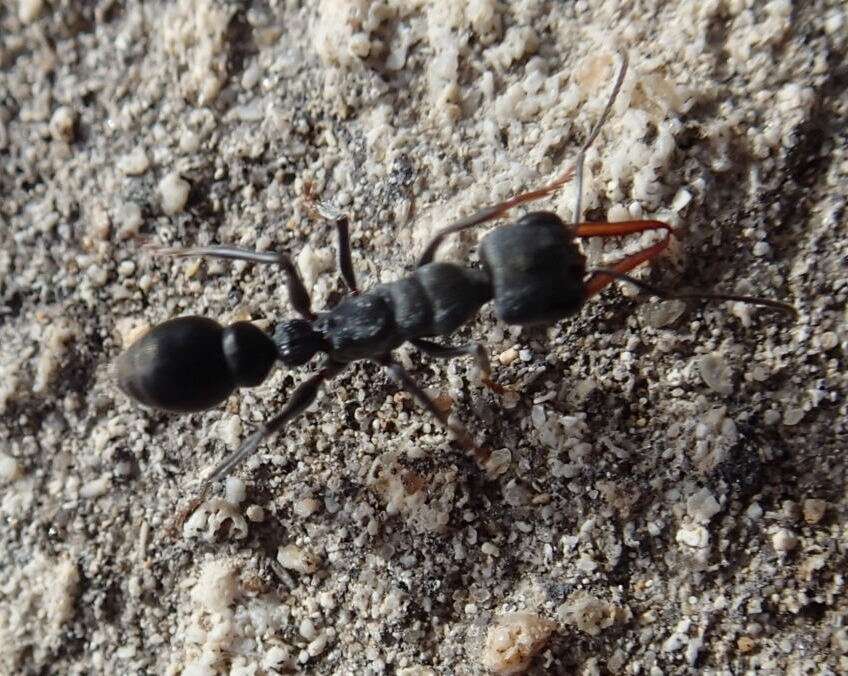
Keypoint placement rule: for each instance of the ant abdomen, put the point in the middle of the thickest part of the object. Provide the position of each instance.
(193, 363)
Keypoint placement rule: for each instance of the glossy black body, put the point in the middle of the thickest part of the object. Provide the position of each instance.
(532, 270)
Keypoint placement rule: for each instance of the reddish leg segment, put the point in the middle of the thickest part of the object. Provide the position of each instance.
(491, 213)
(620, 229)
(599, 280)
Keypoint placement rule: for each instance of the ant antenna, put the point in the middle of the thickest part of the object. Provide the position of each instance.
(670, 295)
(581, 157)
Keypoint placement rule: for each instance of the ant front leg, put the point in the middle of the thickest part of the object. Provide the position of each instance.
(475, 350)
(342, 224)
(601, 277)
(298, 294)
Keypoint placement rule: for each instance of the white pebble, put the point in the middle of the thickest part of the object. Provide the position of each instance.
(128, 218)
(10, 468)
(293, 557)
(235, 490)
(307, 629)
(317, 646)
(174, 192)
(828, 340)
(255, 513)
(30, 10)
(702, 506)
(135, 163)
(126, 268)
(693, 535)
(62, 124)
(784, 540)
(762, 249)
(490, 549)
(306, 507)
(96, 488)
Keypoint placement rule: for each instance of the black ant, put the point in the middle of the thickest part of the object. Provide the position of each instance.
(532, 270)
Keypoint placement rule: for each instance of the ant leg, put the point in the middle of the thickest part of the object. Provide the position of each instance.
(299, 401)
(620, 229)
(671, 295)
(404, 380)
(601, 278)
(475, 350)
(298, 294)
(491, 213)
(342, 224)
(576, 172)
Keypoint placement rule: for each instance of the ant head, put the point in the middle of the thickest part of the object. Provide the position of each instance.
(297, 342)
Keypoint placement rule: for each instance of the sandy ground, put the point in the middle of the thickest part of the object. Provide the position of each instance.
(666, 491)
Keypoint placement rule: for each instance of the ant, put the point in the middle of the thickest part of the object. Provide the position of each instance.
(532, 270)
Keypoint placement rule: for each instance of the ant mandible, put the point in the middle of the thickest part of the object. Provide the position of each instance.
(532, 270)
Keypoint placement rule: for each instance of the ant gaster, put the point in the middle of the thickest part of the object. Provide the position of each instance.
(532, 270)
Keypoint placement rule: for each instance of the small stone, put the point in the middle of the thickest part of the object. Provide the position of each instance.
(745, 644)
(255, 513)
(174, 191)
(792, 415)
(784, 540)
(693, 535)
(716, 373)
(828, 340)
(307, 629)
(63, 124)
(30, 10)
(10, 469)
(96, 488)
(317, 646)
(514, 640)
(235, 490)
(508, 356)
(490, 549)
(135, 163)
(306, 507)
(814, 510)
(702, 506)
(128, 218)
(293, 557)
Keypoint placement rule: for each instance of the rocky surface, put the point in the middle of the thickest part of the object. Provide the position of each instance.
(666, 490)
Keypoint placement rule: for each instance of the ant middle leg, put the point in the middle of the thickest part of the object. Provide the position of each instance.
(474, 350)
(406, 381)
(600, 279)
(298, 294)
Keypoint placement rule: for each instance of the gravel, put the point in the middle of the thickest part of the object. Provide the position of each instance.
(666, 488)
